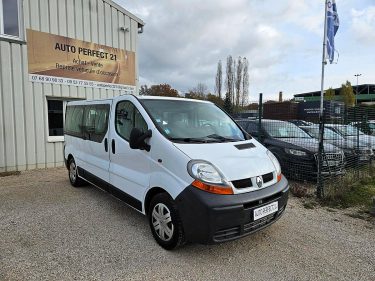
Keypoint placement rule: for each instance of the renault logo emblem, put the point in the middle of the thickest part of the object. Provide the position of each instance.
(259, 181)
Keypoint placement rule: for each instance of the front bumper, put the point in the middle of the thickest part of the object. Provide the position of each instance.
(210, 218)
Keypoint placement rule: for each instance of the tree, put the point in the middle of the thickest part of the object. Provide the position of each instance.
(219, 79)
(245, 82)
(238, 83)
(201, 89)
(233, 83)
(215, 99)
(228, 104)
(194, 95)
(347, 94)
(144, 91)
(198, 92)
(164, 90)
(329, 94)
(229, 78)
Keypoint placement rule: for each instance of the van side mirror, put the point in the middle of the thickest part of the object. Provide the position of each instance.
(137, 139)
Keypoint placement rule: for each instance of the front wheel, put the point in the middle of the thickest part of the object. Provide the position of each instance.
(165, 222)
(73, 174)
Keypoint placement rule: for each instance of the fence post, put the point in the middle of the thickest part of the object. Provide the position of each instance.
(320, 187)
(260, 114)
(358, 126)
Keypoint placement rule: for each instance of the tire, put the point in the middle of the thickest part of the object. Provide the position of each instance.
(73, 174)
(165, 222)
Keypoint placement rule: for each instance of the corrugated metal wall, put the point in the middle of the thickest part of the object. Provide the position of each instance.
(23, 105)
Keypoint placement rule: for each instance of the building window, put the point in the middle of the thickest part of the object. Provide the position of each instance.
(11, 19)
(55, 118)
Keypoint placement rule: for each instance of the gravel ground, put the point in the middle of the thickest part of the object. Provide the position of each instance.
(52, 231)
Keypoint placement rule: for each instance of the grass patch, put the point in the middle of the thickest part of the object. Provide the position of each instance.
(7, 174)
(357, 193)
(310, 205)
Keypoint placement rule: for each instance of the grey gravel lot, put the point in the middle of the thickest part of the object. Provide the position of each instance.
(52, 231)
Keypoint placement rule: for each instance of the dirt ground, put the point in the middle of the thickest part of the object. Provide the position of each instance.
(52, 231)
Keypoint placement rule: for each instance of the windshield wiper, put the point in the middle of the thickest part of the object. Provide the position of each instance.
(221, 138)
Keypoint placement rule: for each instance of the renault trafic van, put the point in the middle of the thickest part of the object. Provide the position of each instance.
(185, 164)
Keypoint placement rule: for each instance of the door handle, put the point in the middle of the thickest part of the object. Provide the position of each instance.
(106, 144)
(113, 147)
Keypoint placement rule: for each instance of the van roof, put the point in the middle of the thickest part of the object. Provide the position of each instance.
(80, 102)
(169, 98)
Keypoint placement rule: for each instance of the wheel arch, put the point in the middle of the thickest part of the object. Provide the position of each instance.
(70, 156)
(150, 194)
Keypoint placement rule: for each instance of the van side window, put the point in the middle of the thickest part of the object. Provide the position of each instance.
(73, 122)
(127, 118)
(96, 122)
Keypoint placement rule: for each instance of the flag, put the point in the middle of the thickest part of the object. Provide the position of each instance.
(332, 27)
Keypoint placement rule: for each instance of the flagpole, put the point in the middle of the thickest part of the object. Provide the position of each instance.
(324, 62)
(320, 193)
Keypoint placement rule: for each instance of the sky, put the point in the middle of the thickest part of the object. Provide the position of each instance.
(183, 41)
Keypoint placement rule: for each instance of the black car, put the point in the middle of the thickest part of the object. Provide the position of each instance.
(354, 155)
(296, 151)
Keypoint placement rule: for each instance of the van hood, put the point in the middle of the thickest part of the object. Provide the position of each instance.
(234, 163)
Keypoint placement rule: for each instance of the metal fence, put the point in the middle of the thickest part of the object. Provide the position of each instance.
(290, 130)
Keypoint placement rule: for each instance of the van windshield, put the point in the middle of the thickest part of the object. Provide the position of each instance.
(193, 122)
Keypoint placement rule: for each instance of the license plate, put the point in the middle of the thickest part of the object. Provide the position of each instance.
(266, 210)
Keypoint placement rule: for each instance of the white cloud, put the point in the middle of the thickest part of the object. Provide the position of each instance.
(183, 41)
(363, 25)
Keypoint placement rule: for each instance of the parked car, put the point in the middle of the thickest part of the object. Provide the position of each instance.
(296, 150)
(301, 122)
(185, 164)
(353, 154)
(354, 134)
(366, 127)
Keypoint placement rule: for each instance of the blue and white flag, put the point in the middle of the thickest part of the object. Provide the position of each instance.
(332, 27)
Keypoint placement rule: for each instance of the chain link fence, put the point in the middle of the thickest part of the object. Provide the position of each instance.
(290, 130)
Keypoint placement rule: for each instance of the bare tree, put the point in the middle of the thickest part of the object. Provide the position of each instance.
(198, 92)
(229, 77)
(201, 89)
(234, 82)
(245, 82)
(238, 82)
(219, 79)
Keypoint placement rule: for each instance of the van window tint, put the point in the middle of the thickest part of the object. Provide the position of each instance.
(96, 122)
(127, 118)
(73, 122)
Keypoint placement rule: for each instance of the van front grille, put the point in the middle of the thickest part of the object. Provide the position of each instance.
(233, 232)
(244, 183)
(267, 177)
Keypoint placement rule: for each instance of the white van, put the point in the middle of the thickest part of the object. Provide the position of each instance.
(184, 163)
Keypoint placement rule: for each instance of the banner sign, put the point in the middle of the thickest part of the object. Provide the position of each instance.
(62, 60)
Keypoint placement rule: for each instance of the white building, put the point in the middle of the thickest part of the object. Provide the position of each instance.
(53, 51)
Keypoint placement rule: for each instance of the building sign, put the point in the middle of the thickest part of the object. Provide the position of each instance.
(62, 60)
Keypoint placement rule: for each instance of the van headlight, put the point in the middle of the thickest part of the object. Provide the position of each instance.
(276, 163)
(208, 177)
